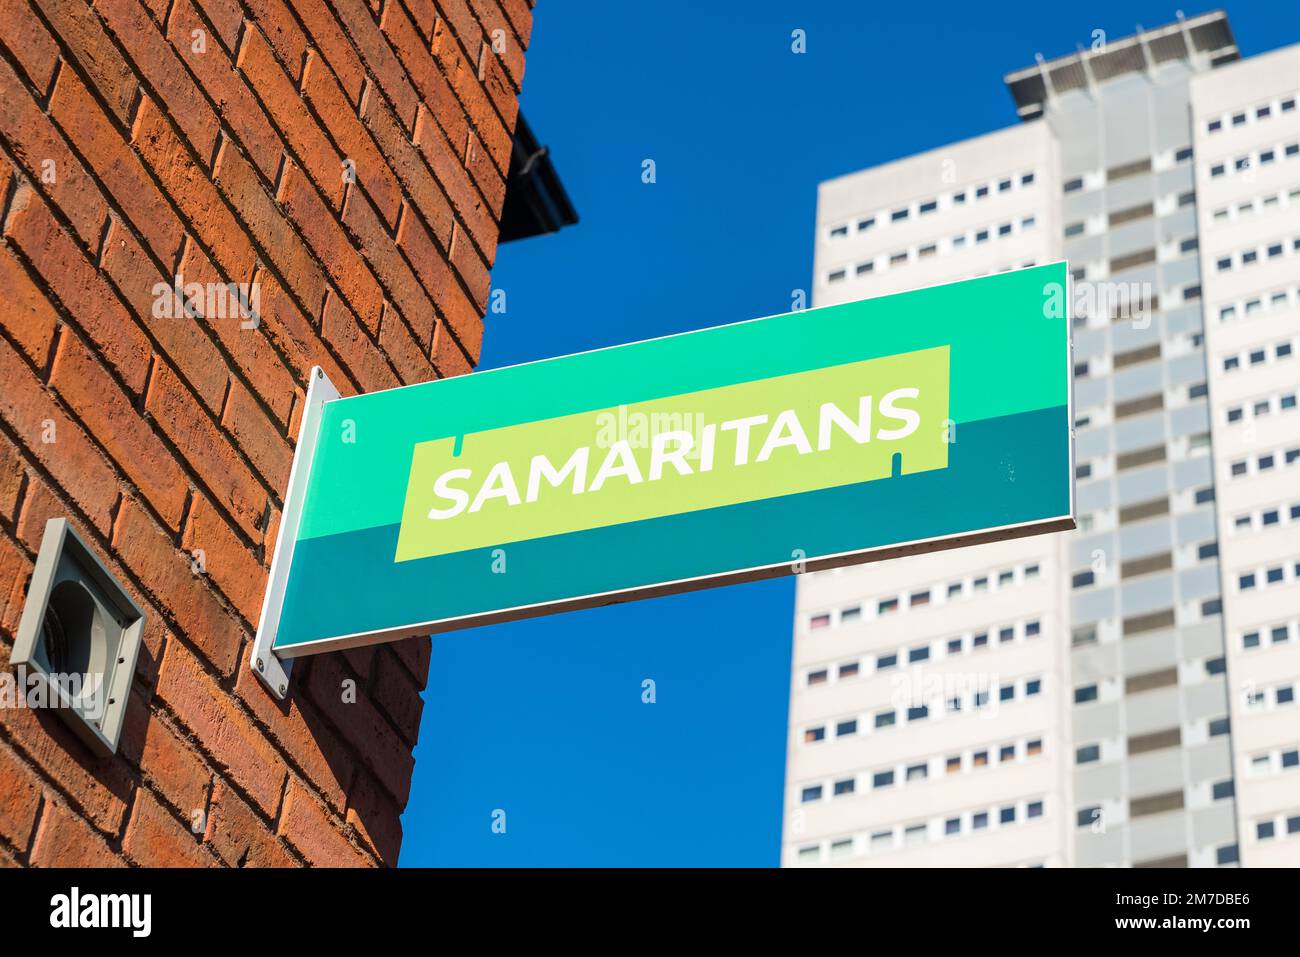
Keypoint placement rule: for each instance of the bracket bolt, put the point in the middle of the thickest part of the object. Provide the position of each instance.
(260, 667)
(283, 688)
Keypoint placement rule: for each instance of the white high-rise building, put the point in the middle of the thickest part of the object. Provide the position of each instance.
(1247, 138)
(1076, 706)
(880, 771)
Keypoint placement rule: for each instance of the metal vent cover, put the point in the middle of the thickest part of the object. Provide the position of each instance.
(79, 637)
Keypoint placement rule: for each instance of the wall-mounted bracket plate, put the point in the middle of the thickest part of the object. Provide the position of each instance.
(269, 667)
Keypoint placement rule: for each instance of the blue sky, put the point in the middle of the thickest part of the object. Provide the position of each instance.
(544, 720)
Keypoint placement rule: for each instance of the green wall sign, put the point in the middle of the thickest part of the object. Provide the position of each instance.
(825, 437)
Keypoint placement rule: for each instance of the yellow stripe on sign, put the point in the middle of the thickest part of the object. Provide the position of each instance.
(738, 443)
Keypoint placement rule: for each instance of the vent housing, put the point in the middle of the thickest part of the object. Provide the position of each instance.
(79, 636)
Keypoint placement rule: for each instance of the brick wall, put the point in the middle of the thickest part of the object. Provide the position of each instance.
(348, 158)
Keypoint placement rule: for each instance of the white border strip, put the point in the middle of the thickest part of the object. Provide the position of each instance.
(263, 659)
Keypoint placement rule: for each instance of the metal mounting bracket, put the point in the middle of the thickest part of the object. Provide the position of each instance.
(266, 664)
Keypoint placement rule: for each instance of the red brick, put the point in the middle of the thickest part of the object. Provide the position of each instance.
(361, 660)
(12, 473)
(518, 12)
(109, 415)
(159, 631)
(428, 196)
(259, 437)
(318, 753)
(331, 244)
(437, 277)
(284, 35)
(226, 560)
(449, 357)
(226, 17)
(272, 533)
(78, 27)
(295, 419)
(397, 694)
(489, 180)
(156, 839)
(85, 295)
(291, 117)
(40, 504)
(412, 364)
(372, 171)
(472, 271)
(29, 317)
(135, 724)
(435, 92)
(15, 573)
(222, 729)
(188, 185)
(238, 836)
(117, 166)
(154, 57)
(271, 229)
(465, 198)
(174, 768)
(100, 788)
(468, 31)
(206, 449)
(30, 43)
(65, 840)
(423, 14)
(376, 818)
(34, 141)
(20, 798)
(294, 333)
(241, 336)
(380, 59)
(363, 358)
(498, 85)
(394, 272)
(512, 59)
(462, 74)
(304, 823)
(512, 55)
(334, 45)
(156, 633)
(136, 277)
(362, 726)
(71, 458)
(235, 103)
(167, 574)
